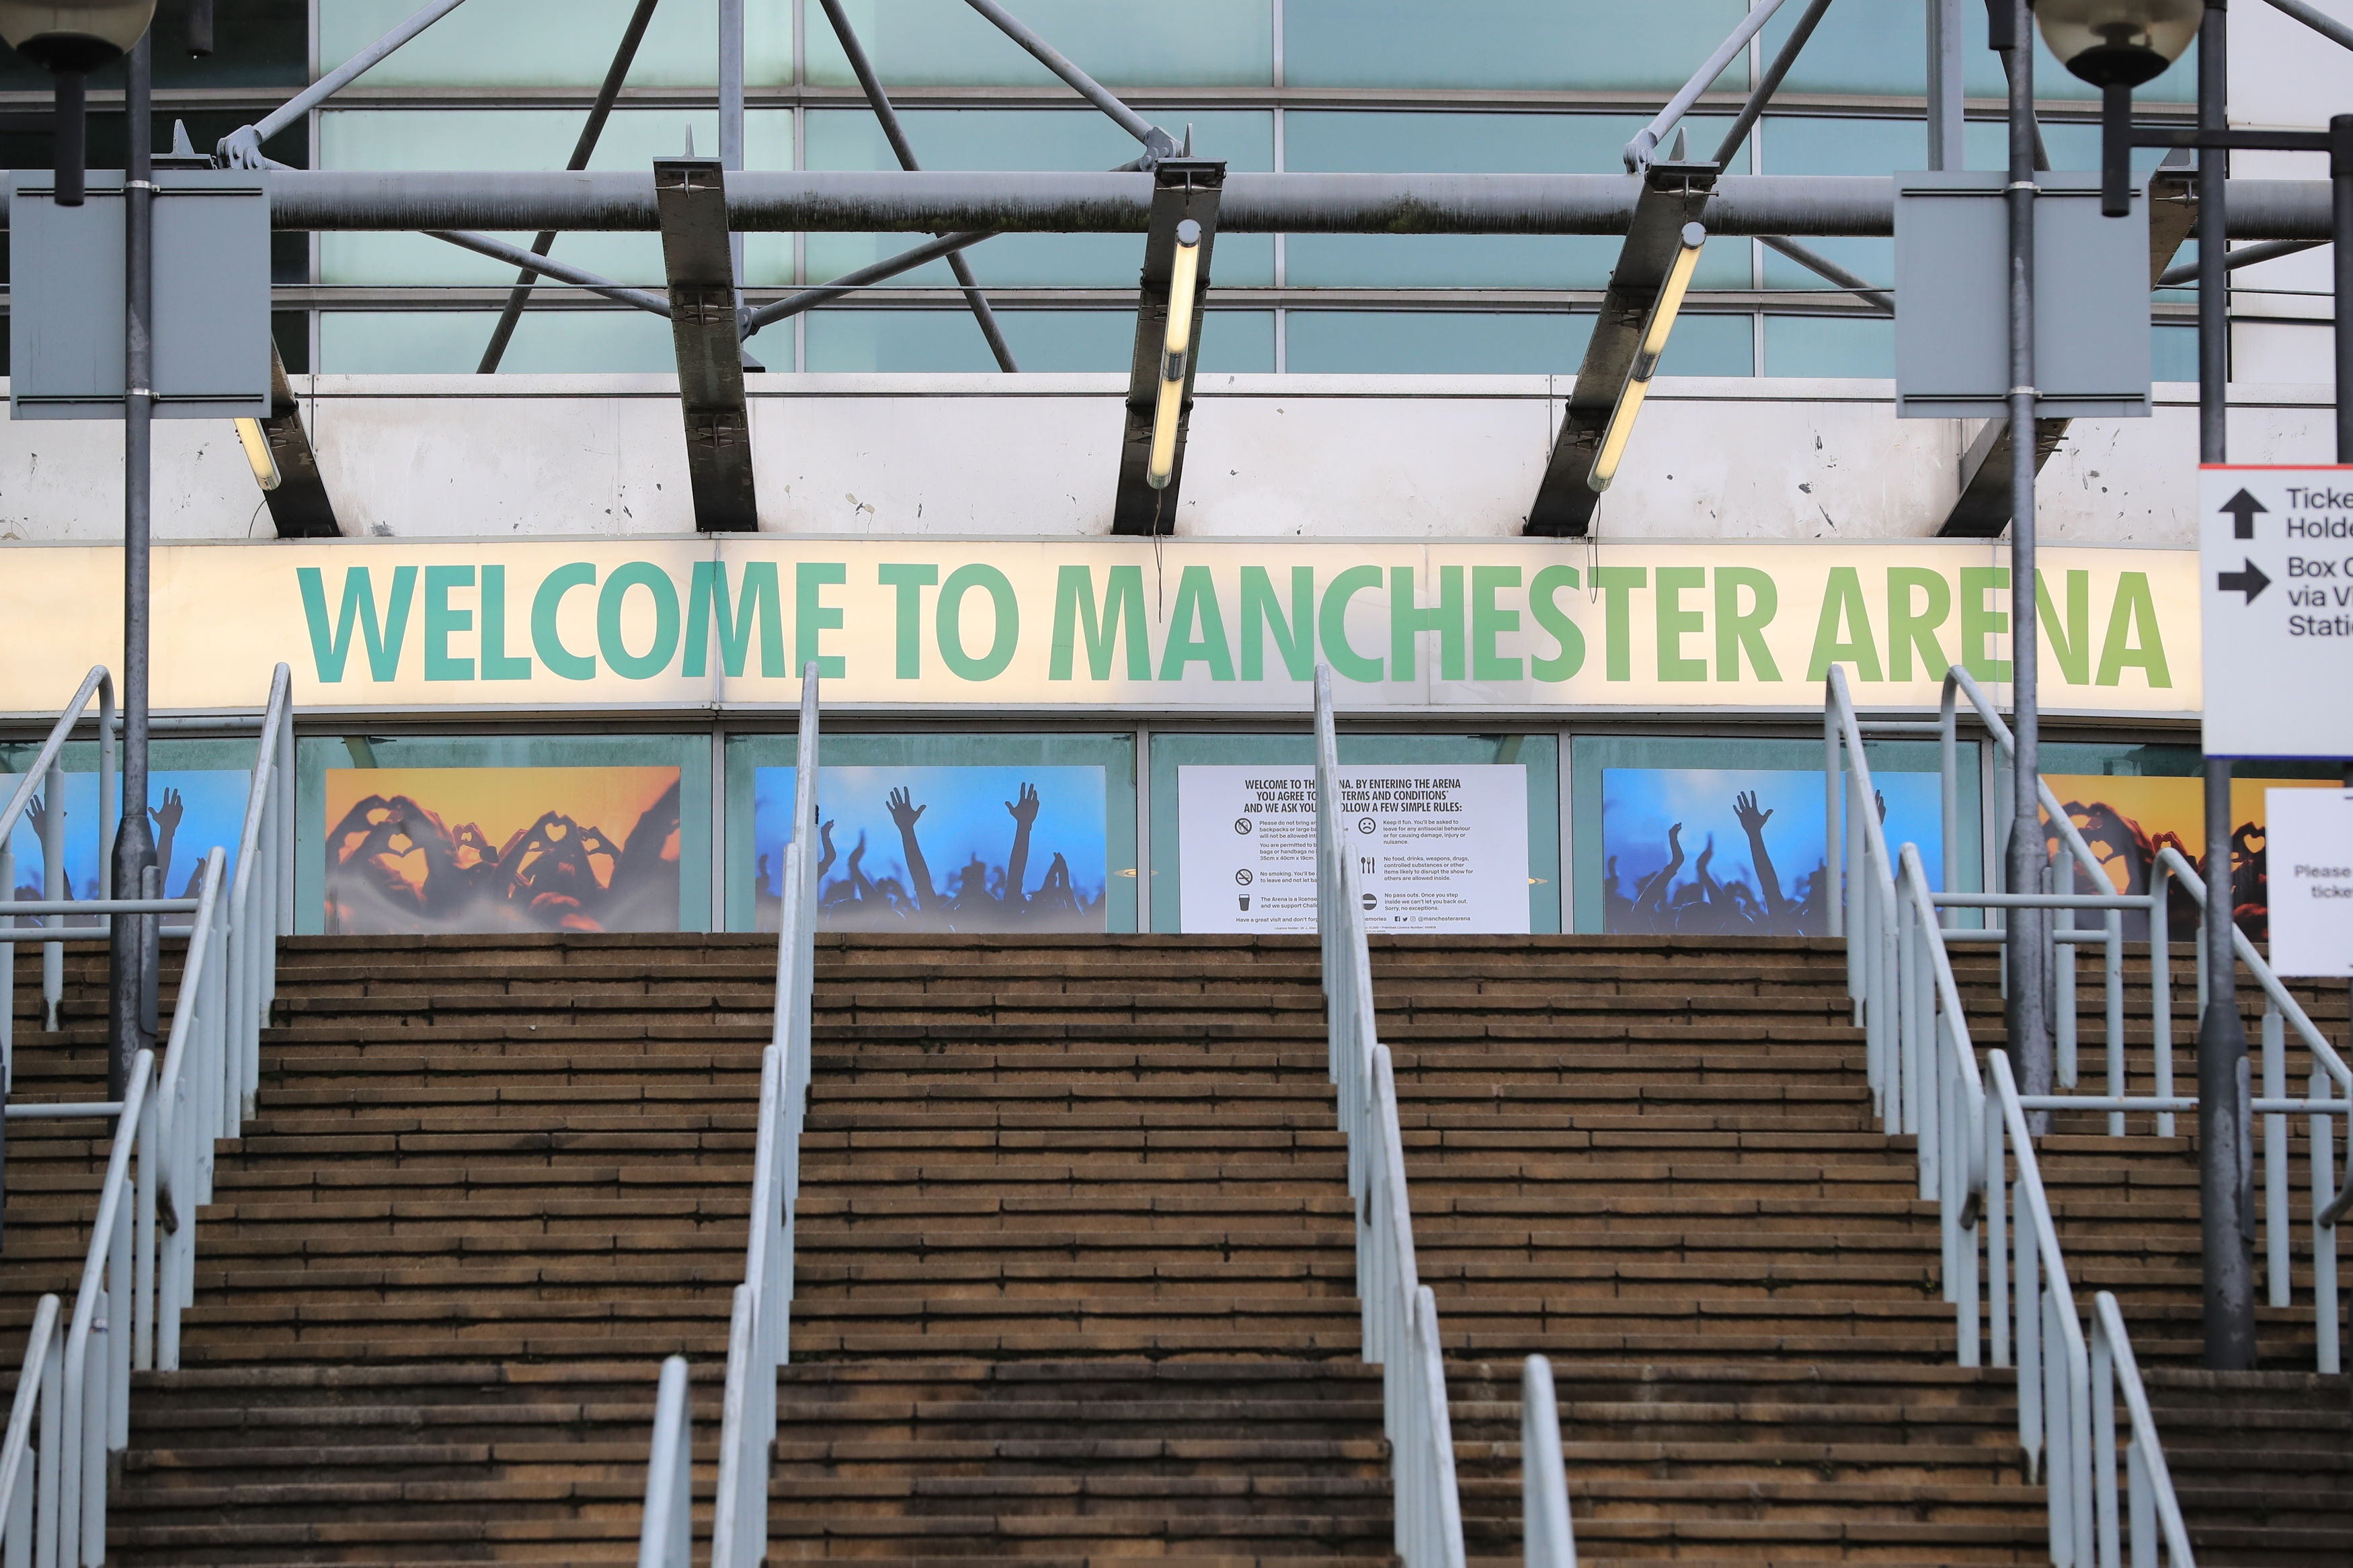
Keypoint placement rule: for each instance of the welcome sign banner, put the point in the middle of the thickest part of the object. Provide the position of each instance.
(1197, 626)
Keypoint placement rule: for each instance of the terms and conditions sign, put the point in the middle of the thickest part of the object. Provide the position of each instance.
(1438, 848)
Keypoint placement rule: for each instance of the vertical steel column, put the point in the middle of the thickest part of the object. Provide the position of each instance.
(1946, 94)
(2225, 1137)
(130, 981)
(731, 117)
(2029, 1039)
(2340, 180)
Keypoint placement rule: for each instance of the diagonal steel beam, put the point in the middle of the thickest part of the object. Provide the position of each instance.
(562, 271)
(300, 507)
(1983, 509)
(1183, 189)
(946, 244)
(706, 329)
(241, 148)
(904, 149)
(1673, 195)
(583, 150)
(1792, 47)
(1158, 143)
(1823, 266)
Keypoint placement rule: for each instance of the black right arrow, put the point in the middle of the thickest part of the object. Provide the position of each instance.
(2251, 582)
(2241, 509)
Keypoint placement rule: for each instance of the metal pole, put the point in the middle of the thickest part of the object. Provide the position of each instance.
(731, 115)
(2029, 1039)
(2340, 180)
(2225, 1138)
(582, 151)
(241, 148)
(130, 982)
(1158, 143)
(1947, 97)
(904, 149)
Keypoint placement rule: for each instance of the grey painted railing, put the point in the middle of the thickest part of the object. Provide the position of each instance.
(2003, 1268)
(72, 1408)
(1399, 1314)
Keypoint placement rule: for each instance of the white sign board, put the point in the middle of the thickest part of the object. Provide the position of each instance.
(1438, 848)
(2309, 847)
(2275, 581)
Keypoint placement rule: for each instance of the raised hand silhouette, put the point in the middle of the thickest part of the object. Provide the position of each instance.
(1026, 812)
(1744, 811)
(904, 812)
(167, 816)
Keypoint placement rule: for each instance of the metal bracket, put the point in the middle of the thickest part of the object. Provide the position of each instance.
(1983, 509)
(300, 507)
(1673, 195)
(690, 196)
(1182, 188)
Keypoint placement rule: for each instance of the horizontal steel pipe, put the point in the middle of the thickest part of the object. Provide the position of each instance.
(1081, 203)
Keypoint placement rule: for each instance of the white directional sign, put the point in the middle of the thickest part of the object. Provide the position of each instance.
(2276, 585)
(2309, 847)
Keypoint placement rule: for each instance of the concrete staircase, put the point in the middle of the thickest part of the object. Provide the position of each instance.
(1075, 1262)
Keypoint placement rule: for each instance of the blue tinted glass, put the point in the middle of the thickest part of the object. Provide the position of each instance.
(1830, 346)
(2069, 145)
(946, 43)
(554, 43)
(1711, 345)
(1877, 49)
(450, 342)
(2174, 354)
(1436, 343)
(1653, 45)
(1015, 138)
(1045, 341)
(1379, 141)
(1824, 144)
(523, 139)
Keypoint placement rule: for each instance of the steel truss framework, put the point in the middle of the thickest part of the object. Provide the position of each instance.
(705, 300)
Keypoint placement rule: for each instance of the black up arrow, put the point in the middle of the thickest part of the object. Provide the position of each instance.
(2251, 582)
(2241, 509)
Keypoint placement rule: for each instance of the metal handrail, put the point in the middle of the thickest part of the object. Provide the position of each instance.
(1547, 1539)
(1978, 1163)
(667, 1539)
(47, 765)
(139, 1273)
(1399, 1314)
(759, 1333)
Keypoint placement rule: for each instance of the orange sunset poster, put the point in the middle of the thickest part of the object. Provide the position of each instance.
(417, 850)
(2127, 821)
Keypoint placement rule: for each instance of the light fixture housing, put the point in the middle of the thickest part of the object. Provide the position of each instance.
(77, 37)
(70, 41)
(1653, 347)
(258, 455)
(2125, 43)
(1176, 354)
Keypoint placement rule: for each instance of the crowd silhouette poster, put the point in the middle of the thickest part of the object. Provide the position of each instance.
(425, 850)
(2127, 821)
(1739, 851)
(943, 848)
(190, 810)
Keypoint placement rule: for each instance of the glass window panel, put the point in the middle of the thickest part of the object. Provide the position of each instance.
(2174, 354)
(527, 139)
(1621, 833)
(554, 43)
(962, 781)
(911, 341)
(1830, 346)
(1540, 755)
(1436, 343)
(648, 798)
(946, 43)
(1376, 142)
(1711, 345)
(1879, 49)
(1017, 138)
(1540, 44)
(208, 779)
(257, 43)
(450, 342)
(2070, 145)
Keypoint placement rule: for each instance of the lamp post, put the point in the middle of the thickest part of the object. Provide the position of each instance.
(2116, 44)
(71, 39)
